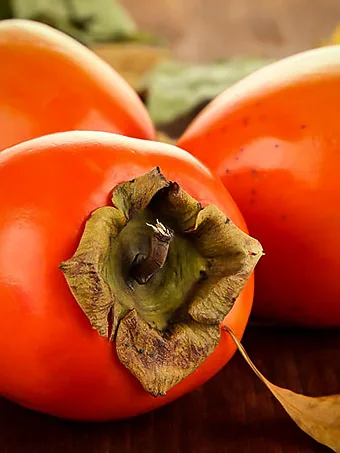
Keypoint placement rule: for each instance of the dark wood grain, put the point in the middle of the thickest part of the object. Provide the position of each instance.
(233, 413)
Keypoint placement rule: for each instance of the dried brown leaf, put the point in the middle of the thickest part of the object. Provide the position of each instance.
(319, 417)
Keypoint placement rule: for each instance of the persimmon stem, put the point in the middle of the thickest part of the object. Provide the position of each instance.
(144, 267)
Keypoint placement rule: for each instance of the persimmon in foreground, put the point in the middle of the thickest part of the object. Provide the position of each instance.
(120, 260)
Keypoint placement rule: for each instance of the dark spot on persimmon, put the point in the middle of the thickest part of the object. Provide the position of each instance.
(303, 126)
(227, 170)
(254, 172)
(245, 121)
(276, 145)
(237, 157)
(253, 191)
(241, 150)
(252, 200)
(283, 217)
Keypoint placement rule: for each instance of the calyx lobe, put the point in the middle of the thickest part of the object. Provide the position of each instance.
(165, 326)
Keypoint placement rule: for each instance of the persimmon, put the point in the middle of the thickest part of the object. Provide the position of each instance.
(120, 262)
(51, 83)
(273, 139)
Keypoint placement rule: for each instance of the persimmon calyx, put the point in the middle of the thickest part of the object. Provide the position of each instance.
(160, 292)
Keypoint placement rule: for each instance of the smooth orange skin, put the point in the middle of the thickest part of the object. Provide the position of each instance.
(51, 359)
(274, 140)
(51, 83)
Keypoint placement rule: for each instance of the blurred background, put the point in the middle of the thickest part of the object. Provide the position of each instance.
(203, 30)
(179, 54)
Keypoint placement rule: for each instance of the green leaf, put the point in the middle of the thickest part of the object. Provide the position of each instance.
(26, 9)
(85, 20)
(175, 88)
(109, 19)
(6, 9)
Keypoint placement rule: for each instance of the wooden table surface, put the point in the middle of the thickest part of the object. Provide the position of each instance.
(232, 413)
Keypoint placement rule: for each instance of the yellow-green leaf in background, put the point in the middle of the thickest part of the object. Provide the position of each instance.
(175, 88)
(88, 21)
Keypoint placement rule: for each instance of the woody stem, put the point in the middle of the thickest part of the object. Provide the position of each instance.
(144, 267)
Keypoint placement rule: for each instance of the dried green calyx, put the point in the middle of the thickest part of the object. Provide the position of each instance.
(157, 273)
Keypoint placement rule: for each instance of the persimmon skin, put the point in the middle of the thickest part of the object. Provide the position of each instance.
(51, 359)
(51, 83)
(274, 140)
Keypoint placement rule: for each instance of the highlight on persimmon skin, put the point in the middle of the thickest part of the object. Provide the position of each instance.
(72, 372)
(51, 83)
(273, 139)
